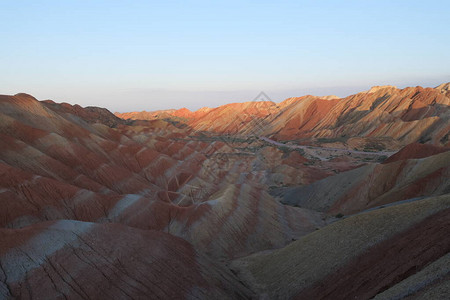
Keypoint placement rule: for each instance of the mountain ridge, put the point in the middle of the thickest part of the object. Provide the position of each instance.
(382, 111)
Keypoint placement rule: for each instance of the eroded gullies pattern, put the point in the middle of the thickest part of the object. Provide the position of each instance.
(165, 203)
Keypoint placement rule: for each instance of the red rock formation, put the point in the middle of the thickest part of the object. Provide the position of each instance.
(73, 165)
(408, 115)
(415, 150)
(374, 185)
(79, 260)
(93, 206)
(390, 249)
(395, 259)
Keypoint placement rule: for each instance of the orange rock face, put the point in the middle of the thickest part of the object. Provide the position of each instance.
(408, 115)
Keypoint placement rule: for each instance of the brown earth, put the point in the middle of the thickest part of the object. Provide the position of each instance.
(78, 260)
(408, 235)
(416, 151)
(387, 263)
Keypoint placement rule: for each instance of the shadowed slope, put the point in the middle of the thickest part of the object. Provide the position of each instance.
(416, 151)
(78, 260)
(345, 249)
(374, 185)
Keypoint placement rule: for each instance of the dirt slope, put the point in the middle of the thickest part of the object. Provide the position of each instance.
(357, 257)
(79, 260)
(374, 185)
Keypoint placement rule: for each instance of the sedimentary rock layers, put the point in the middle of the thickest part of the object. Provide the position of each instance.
(341, 260)
(405, 115)
(80, 260)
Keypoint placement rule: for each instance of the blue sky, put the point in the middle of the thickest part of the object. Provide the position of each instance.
(145, 55)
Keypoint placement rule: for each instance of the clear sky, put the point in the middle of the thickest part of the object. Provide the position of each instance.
(148, 55)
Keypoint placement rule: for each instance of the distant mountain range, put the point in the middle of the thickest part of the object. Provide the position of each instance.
(413, 114)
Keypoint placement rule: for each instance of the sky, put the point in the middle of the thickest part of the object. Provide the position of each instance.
(150, 55)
